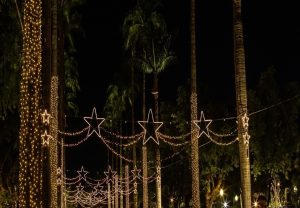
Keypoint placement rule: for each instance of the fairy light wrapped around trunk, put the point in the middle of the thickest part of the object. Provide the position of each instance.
(30, 142)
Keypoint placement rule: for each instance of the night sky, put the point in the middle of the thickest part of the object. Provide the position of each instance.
(272, 38)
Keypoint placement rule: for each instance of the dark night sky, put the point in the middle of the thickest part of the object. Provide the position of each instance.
(272, 38)
(271, 32)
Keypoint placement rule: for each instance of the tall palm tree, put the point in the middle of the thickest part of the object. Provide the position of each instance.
(30, 145)
(241, 103)
(193, 100)
(146, 32)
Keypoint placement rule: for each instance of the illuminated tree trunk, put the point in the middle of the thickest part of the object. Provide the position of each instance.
(54, 106)
(145, 176)
(127, 186)
(135, 195)
(145, 152)
(241, 103)
(194, 139)
(30, 142)
(157, 151)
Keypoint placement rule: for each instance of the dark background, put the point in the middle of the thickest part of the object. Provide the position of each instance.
(272, 38)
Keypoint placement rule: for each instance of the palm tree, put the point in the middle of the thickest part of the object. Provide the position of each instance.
(241, 103)
(146, 33)
(193, 100)
(30, 146)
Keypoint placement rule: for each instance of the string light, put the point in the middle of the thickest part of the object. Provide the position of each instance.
(53, 148)
(30, 144)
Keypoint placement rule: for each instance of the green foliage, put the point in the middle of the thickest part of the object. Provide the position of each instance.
(145, 36)
(10, 58)
(274, 130)
(72, 25)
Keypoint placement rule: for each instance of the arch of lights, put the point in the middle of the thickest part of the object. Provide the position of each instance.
(88, 192)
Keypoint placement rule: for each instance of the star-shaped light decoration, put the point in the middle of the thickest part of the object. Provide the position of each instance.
(82, 173)
(58, 171)
(98, 189)
(151, 128)
(136, 172)
(94, 123)
(46, 117)
(45, 138)
(110, 174)
(202, 125)
(58, 181)
(246, 138)
(135, 187)
(79, 188)
(245, 120)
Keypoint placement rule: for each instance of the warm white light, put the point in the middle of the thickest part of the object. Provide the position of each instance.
(295, 189)
(221, 192)
(225, 204)
(255, 204)
(236, 198)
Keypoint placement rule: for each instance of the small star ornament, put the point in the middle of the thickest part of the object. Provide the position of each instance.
(46, 117)
(79, 188)
(246, 138)
(94, 123)
(202, 125)
(45, 138)
(151, 128)
(98, 189)
(82, 173)
(135, 172)
(110, 174)
(245, 120)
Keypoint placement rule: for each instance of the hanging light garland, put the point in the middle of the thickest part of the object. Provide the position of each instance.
(30, 142)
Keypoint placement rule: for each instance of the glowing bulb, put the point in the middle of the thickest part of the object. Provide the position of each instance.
(236, 198)
(255, 204)
(221, 192)
(295, 189)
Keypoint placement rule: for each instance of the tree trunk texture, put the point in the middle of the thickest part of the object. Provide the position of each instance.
(193, 100)
(241, 102)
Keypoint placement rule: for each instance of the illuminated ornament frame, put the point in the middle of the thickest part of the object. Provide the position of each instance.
(198, 123)
(155, 125)
(82, 173)
(245, 120)
(46, 117)
(110, 174)
(91, 128)
(45, 138)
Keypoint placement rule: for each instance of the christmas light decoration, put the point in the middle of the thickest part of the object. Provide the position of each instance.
(45, 138)
(53, 148)
(151, 128)
(110, 174)
(94, 128)
(30, 142)
(199, 124)
(46, 117)
(82, 173)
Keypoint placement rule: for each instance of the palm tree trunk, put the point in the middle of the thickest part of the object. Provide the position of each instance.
(194, 139)
(30, 146)
(135, 195)
(54, 106)
(241, 103)
(157, 151)
(145, 152)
